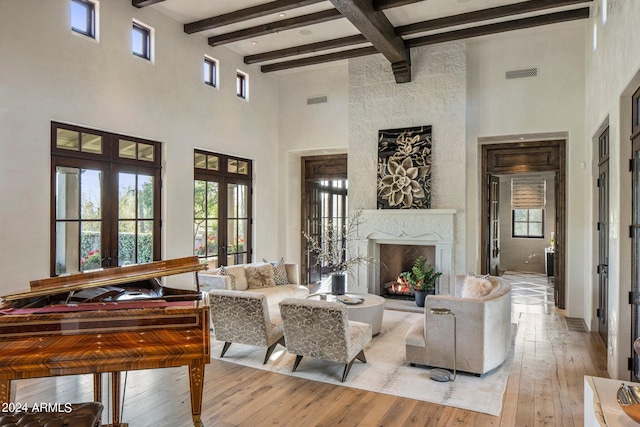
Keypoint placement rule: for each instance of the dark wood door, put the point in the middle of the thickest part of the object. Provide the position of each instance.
(494, 225)
(635, 235)
(603, 234)
(324, 201)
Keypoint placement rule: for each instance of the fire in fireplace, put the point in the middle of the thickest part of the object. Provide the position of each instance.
(394, 259)
(398, 289)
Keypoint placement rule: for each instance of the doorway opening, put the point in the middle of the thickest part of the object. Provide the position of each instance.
(324, 202)
(531, 247)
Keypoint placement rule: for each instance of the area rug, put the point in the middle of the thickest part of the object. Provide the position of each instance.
(386, 370)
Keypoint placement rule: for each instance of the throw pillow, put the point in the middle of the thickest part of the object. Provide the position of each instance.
(279, 272)
(475, 287)
(259, 275)
(224, 272)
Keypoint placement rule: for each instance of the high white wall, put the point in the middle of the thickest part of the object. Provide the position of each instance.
(308, 130)
(522, 109)
(49, 73)
(613, 74)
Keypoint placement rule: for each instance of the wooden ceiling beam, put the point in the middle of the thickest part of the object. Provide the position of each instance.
(501, 27)
(268, 9)
(245, 14)
(483, 15)
(376, 28)
(389, 4)
(483, 30)
(319, 59)
(273, 27)
(306, 48)
(433, 24)
(143, 3)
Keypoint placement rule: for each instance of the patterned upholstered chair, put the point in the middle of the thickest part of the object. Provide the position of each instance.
(321, 329)
(242, 317)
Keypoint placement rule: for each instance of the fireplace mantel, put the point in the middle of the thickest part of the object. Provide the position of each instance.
(431, 227)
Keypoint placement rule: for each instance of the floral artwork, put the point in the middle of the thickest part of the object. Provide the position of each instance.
(404, 168)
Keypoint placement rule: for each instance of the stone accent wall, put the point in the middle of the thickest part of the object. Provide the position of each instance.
(436, 96)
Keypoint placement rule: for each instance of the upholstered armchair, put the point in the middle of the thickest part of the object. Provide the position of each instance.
(483, 330)
(243, 317)
(322, 329)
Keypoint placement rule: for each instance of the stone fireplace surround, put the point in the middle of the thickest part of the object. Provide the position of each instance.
(427, 227)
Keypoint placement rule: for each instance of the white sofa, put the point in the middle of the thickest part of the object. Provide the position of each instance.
(483, 330)
(213, 280)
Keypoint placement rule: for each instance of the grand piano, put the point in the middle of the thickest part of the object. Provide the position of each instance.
(111, 320)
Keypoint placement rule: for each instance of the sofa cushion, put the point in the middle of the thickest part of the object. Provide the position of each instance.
(259, 275)
(279, 271)
(224, 272)
(240, 275)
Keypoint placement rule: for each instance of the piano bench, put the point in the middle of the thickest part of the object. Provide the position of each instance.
(81, 415)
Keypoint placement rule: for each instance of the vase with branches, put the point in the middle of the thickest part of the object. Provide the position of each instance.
(331, 248)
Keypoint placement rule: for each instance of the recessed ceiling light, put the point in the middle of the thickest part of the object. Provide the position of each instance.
(254, 43)
(306, 32)
(282, 15)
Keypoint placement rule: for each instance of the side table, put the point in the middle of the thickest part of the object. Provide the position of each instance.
(369, 311)
(601, 407)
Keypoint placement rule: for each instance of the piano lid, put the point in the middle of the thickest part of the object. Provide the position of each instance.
(109, 276)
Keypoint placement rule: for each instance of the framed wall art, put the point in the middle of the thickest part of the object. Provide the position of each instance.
(404, 168)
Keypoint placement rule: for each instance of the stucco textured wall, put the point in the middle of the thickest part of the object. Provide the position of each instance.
(435, 96)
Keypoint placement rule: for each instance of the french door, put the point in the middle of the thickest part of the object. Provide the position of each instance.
(324, 202)
(105, 192)
(494, 225)
(222, 209)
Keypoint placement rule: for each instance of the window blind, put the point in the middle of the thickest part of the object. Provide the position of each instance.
(528, 193)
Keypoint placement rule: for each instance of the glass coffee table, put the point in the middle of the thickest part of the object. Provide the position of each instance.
(370, 310)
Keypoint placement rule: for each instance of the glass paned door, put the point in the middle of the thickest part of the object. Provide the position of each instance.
(135, 218)
(78, 219)
(222, 209)
(206, 195)
(105, 192)
(237, 223)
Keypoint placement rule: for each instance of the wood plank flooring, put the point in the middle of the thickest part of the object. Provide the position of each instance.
(545, 388)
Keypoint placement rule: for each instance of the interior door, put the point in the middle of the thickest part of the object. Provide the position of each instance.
(603, 234)
(494, 226)
(635, 243)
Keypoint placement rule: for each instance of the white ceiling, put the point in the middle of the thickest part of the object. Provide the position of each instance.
(186, 11)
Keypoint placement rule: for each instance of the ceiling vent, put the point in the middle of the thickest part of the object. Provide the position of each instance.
(519, 74)
(316, 100)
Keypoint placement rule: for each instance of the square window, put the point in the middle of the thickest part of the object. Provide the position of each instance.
(83, 18)
(141, 41)
(242, 89)
(528, 223)
(210, 71)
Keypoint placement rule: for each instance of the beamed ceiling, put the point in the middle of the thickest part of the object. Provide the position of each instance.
(284, 34)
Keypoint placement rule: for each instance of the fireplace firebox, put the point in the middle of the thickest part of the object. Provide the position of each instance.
(396, 258)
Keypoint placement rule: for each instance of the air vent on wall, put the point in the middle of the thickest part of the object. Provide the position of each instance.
(518, 74)
(316, 100)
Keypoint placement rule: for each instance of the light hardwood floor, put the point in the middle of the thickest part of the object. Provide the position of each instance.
(545, 388)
